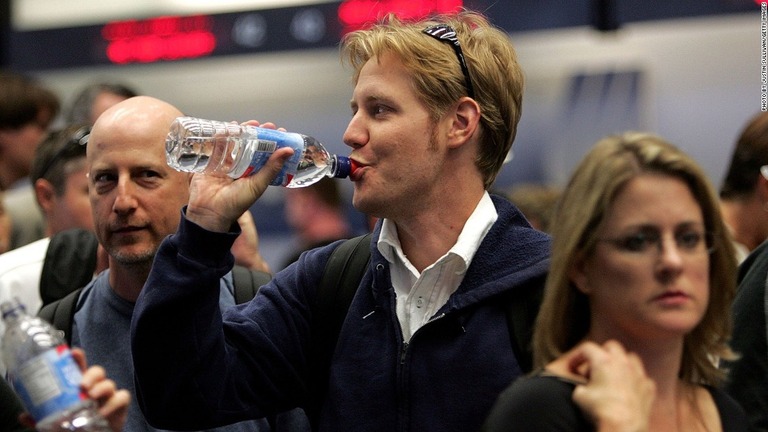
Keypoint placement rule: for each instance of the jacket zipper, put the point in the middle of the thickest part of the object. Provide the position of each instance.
(404, 350)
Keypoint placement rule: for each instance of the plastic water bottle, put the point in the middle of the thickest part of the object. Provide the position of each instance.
(210, 146)
(44, 374)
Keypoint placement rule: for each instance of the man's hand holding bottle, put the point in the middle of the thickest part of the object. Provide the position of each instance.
(112, 403)
(216, 201)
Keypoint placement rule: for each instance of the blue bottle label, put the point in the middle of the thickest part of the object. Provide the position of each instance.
(269, 141)
(49, 382)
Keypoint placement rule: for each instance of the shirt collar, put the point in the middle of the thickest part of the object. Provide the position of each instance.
(472, 234)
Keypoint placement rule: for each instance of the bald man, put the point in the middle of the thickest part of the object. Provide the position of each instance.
(136, 199)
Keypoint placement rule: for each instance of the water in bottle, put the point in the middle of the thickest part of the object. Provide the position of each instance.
(44, 374)
(210, 146)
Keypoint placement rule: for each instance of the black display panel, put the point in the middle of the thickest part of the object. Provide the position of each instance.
(180, 38)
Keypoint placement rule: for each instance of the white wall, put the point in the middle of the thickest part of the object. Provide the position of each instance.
(37, 14)
(703, 82)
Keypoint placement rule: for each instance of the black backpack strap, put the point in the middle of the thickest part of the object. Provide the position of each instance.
(338, 285)
(70, 261)
(247, 282)
(522, 308)
(61, 313)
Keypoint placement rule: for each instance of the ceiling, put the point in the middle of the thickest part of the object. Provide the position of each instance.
(40, 14)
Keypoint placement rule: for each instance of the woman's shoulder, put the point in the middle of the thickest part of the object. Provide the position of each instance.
(542, 384)
(540, 402)
(732, 415)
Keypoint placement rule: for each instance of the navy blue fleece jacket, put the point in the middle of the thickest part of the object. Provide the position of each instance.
(195, 368)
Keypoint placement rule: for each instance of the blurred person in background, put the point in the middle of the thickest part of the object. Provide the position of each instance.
(316, 215)
(744, 192)
(245, 249)
(94, 99)
(537, 202)
(745, 206)
(27, 109)
(60, 181)
(748, 375)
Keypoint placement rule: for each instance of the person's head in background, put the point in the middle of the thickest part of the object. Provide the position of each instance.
(626, 250)
(27, 109)
(316, 213)
(537, 202)
(5, 227)
(744, 192)
(316, 216)
(59, 176)
(92, 100)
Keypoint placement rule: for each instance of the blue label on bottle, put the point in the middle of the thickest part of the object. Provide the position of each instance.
(49, 382)
(269, 141)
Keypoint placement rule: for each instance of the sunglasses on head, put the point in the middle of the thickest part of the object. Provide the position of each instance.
(446, 33)
(78, 138)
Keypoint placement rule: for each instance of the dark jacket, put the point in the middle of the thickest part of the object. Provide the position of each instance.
(192, 372)
(748, 376)
(10, 409)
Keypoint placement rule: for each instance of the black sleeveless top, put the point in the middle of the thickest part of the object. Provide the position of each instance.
(543, 403)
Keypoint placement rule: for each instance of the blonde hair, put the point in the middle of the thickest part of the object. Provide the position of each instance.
(564, 317)
(496, 76)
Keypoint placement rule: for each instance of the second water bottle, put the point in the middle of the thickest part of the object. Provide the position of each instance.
(44, 374)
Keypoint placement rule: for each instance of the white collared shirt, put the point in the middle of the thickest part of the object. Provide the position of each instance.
(420, 295)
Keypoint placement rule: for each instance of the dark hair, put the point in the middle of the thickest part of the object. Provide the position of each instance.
(750, 153)
(23, 99)
(53, 155)
(80, 110)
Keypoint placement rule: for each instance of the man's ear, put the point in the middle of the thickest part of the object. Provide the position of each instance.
(45, 194)
(465, 120)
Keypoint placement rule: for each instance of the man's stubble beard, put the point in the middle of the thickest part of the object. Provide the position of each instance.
(135, 260)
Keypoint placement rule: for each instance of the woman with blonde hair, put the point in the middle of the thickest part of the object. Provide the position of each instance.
(637, 304)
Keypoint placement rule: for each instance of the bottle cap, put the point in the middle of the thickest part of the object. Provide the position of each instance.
(343, 167)
(11, 306)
